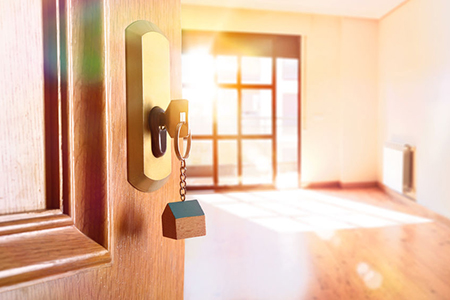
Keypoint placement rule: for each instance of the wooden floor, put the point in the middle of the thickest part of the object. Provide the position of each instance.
(318, 244)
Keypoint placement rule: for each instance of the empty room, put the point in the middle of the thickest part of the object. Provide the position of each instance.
(319, 151)
(231, 150)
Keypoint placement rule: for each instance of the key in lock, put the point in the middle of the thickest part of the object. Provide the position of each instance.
(183, 219)
(162, 122)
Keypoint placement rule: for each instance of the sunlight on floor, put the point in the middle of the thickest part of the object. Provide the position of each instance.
(285, 244)
(305, 210)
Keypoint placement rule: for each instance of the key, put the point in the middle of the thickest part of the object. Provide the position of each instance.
(177, 112)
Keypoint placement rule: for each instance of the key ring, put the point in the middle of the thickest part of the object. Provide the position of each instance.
(177, 144)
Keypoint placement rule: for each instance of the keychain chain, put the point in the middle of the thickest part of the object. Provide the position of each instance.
(183, 180)
(182, 159)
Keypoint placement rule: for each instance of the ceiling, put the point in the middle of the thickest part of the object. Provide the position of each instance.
(373, 9)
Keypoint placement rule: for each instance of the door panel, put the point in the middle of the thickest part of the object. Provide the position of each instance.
(22, 172)
(97, 197)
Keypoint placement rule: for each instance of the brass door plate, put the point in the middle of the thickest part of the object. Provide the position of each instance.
(148, 85)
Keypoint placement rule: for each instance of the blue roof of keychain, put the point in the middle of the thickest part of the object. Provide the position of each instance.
(185, 209)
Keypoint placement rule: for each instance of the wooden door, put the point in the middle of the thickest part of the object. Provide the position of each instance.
(71, 226)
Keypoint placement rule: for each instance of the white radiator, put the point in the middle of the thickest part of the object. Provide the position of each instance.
(397, 167)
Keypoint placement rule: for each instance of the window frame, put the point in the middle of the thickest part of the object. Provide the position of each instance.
(241, 45)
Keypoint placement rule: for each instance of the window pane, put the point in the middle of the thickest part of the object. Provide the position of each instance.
(197, 69)
(256, 111)
(287, 122)
(288, 68)
(199, 164)
(228, 173)
(256, 161)
(200, 110)
(199, 89)
(226, 69)
(227, 111)
(256, 70)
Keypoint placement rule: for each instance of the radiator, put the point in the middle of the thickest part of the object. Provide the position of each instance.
(397, 167)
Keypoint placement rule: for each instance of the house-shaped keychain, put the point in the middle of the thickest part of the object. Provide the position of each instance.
(183, 219)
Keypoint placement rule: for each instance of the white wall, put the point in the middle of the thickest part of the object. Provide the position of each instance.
(359, 93)
(339, 88)
(414, 106)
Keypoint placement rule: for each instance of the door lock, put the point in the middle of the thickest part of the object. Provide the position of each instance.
(148, 93)
(149, 162)
(162, 122)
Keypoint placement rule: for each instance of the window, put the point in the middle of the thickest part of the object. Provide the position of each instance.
(243, 91)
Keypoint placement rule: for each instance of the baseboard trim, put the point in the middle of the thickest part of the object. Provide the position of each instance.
(321, 185)
(395, 194)
(401, 198)
(337, 184)
(359, 185)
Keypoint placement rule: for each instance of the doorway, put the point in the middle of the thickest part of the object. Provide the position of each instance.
(244, 109)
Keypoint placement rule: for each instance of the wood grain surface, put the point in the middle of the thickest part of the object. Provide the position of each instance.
(22, 142)
(325, 244)
(103, 205)
(190, 227)
(27, 252)
(33, 222)
(40, 256)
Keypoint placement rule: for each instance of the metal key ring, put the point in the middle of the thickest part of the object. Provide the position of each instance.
(177, 144)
